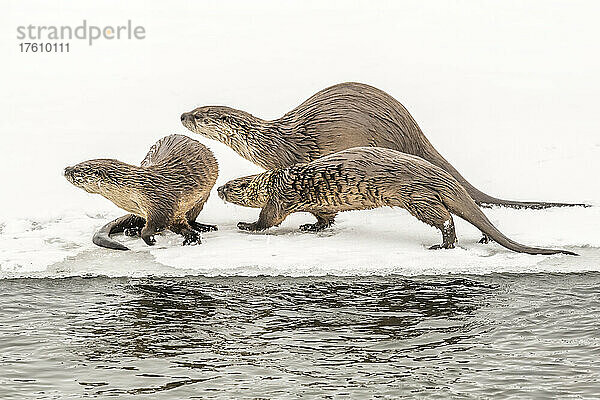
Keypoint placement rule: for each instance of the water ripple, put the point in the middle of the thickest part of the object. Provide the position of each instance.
(495, 336)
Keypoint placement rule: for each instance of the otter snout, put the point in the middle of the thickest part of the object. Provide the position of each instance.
(72, 175)
(187, 118)
(222, 192)
(77, 175)
(69, 173)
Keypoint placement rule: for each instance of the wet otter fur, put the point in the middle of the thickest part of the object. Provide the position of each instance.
(364, 178)
(340, 117)
(167, 191)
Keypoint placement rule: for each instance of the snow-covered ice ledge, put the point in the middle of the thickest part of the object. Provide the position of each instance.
(377, 242)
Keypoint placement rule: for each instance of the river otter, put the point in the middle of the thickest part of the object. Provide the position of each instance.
(337, 118)
(364, 178)
(167, 191)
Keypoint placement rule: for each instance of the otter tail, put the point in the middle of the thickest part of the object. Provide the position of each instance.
(485, 200)
(465, 207)
(102, 236)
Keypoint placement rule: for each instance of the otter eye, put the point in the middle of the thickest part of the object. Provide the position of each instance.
(197, 116)
(244, 186)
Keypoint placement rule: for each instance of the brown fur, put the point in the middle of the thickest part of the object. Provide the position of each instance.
(167, 191)
(336, 118)
(364, 178)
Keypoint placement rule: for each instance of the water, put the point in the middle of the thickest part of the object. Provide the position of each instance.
(500, 336)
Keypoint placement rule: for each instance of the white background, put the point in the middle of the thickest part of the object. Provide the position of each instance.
(506, 91)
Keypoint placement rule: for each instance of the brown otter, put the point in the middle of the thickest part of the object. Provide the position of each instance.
(364, 178)
(167, 191)
(337, 118)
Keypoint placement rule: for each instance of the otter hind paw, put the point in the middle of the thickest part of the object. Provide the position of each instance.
(442, 246)
(134, 231)
(485, 239)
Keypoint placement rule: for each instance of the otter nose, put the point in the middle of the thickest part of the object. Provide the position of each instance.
(184, 116)
(67, 171)
(221, 191)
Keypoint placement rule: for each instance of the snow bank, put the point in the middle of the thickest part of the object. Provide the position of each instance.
(377, 242)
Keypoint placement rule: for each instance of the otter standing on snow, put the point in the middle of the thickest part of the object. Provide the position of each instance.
(364, 178)
(167, 191)
(337, 118)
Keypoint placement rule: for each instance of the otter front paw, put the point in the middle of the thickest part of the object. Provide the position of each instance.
(248, 226)
(312, 227)
(191, 238)
(203, 227)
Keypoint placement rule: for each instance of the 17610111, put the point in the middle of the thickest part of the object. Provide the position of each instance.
(27, 47)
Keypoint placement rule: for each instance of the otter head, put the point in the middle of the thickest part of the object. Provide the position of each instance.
(96, 176)
(227, 125)
(249, 191)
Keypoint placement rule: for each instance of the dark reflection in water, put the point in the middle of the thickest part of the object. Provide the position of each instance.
(148, 319)
(496, 336)
(188, 314)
